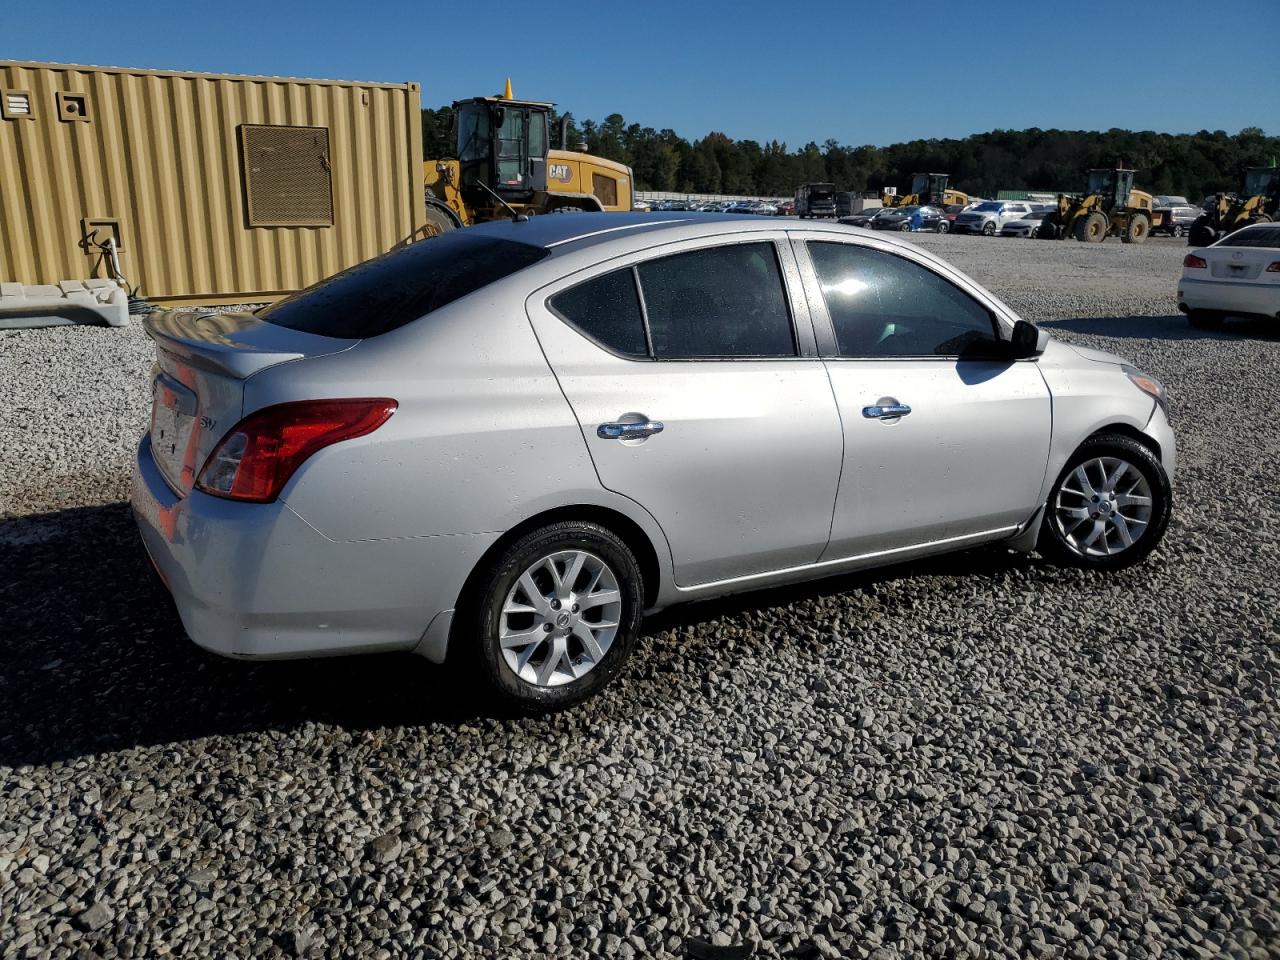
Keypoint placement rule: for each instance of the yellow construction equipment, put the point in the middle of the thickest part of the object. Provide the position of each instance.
(1259, 202)
(1110, 207)
(504, 164)
(927, 189)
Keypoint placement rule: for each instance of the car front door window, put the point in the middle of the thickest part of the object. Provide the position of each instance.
(882, 305)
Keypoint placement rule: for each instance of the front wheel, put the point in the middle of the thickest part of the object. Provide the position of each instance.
(1202, 234)
(943, 226)
(1109, 507)
(557, 615)
(988, 229)
(906, 227)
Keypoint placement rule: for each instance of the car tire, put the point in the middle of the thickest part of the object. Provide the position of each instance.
(1204, 319)
(1104, 481)
(503, 610)
(1177, 231)
(943, 227)
(988, 229)
(906, 227)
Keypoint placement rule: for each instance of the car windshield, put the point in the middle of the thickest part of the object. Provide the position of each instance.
(396, 288)
(1258, 236)
(989, 207)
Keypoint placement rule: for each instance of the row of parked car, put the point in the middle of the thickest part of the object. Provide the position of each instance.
(989, 218)
(1005, 218)
(760, 208)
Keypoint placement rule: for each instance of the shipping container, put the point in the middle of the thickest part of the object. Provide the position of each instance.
(214, 188)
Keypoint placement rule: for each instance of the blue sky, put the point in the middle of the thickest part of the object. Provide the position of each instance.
(856, 72)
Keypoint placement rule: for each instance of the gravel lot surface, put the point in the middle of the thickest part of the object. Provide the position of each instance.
(979, 756)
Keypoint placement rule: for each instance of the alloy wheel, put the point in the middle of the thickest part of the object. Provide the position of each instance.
(1103, 507)
(560, 618)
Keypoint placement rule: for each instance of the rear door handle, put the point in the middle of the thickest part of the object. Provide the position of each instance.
(629, 431)
(887, 411)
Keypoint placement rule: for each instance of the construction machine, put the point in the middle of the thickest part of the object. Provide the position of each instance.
(929, 189)
(505, 166)
(1259, 202)
(1110, 207)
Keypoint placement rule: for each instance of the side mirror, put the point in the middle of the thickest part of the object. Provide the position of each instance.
(1027, 340)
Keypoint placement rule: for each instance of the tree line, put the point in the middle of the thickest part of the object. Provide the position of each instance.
(1193, 165)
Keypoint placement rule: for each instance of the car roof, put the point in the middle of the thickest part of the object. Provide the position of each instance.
(569, 233)
(559, 231)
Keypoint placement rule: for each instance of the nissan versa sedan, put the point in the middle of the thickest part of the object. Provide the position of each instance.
(508, 443)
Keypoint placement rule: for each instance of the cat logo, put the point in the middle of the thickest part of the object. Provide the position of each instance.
(561, 172)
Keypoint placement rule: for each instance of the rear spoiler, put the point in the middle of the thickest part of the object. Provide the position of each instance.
(234, 344)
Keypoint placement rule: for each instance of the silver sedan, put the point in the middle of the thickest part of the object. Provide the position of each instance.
(509, 443)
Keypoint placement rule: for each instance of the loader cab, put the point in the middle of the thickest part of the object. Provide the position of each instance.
(502, 143)
(930, 188)
(1262, 182)
(1112, 186)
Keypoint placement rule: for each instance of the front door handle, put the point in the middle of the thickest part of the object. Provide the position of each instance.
(887, 411)
(629, 431)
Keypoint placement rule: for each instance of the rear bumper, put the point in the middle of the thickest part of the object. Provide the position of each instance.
(257, 581)
(1247, 297)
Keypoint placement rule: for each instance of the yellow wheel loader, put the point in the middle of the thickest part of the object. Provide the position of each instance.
(504, 164)
(1259, 202)
(1111, 207)
(929, 189)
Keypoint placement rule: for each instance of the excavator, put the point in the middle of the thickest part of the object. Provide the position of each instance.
(1259, 202)
(505, 166)
(1110, 207)
(927, 189)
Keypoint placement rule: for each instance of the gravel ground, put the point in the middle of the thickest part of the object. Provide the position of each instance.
(978, 756)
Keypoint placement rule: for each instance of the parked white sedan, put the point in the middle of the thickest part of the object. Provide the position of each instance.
(1237, 276)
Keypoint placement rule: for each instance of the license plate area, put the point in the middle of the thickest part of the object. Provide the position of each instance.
(173, 431)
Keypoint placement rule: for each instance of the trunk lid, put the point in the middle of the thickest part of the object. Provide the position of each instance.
(197, 389)
(1240, 263)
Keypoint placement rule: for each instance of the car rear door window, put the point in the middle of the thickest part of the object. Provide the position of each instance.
(717, 302)
(885, 306)
(397, 288)
(606, 309)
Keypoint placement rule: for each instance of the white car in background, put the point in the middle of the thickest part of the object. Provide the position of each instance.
(1237, 276)
(989, 217)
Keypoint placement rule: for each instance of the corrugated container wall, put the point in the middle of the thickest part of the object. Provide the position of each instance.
(216, 188)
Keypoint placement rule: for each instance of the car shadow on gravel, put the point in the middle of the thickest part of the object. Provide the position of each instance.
(1170, 327)
(95, 658)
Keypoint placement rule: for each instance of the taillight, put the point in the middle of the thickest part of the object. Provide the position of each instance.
(1194, 262)
(260, 453)
(1275, 267)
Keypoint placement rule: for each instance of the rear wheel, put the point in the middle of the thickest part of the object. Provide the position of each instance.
(1138, 228)
(1204, 319)
(989, 229)
(1177, 230)
(557, 616)
(943, 226)
(1109, 507)
(1048, 230)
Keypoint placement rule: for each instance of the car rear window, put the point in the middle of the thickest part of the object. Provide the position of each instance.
(1252, 237)
(385, 293)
